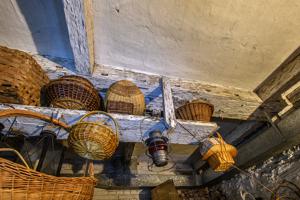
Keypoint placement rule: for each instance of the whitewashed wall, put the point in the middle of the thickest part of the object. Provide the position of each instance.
(35, 25)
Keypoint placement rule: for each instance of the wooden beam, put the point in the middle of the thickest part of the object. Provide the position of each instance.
(294, 97)
(79, 19)
(127, 151)
(229, 102)
(169, 112)
(265, 144)
(132, 128)
(283, 78)
(132, 181)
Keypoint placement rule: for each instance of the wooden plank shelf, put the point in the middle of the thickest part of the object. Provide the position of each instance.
(132, 128)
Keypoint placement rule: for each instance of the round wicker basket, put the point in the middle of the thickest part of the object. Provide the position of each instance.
(125, 97)
(72, 92)
(93, 140)
(197, 110)
(21, 78)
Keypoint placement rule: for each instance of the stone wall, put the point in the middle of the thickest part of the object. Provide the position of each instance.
(285, 166)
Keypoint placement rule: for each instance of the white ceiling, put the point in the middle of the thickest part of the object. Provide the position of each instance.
(233, 43)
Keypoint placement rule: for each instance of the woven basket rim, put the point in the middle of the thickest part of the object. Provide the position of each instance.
(89, 89)
(196, 102)
(113, 88)
(229, 149)
(72, 77)
(41, 174)
(97, 124)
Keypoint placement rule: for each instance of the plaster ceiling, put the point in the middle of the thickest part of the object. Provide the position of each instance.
(232, 43)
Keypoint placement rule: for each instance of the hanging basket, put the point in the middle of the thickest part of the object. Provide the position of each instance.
(125, 97)
(72, 92)
(197, 110)
(19, 182)
(93, 140)
(21, 78)
(218, 153)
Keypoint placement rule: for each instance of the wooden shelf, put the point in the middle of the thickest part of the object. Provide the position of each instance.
(132, 128)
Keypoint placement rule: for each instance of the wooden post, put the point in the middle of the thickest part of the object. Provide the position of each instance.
(79, 18)
(169, 112)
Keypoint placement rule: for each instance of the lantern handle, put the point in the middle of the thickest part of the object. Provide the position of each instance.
(101, 113)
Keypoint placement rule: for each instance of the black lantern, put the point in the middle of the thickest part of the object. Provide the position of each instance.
(158, 148)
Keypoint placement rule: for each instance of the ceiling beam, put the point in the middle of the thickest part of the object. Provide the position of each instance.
(79, 19)
(281, 80)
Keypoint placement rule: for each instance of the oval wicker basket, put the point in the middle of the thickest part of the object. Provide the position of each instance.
(22, 183)
(21, 78)
(125, 97)
(93, 140)
(72, 92)
(197, 110)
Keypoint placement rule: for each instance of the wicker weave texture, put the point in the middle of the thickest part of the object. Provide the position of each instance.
(122, 93)
(20, 183)
(93, 140)
(72, 92)
(196, 111)
(21, 78)
(220, 161)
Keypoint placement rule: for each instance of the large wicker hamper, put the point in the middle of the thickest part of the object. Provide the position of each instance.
(21, 78)
(19, 182)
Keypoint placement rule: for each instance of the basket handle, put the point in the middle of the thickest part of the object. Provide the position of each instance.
(89, 169)
(18, 154)
(31, 114)
(102, 113)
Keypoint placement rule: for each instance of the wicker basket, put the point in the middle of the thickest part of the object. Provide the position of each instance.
(21, 78)
(125, 97)
(218, 153)
(93, 140)
(22, 183)
(72, 92)
(197, 110)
